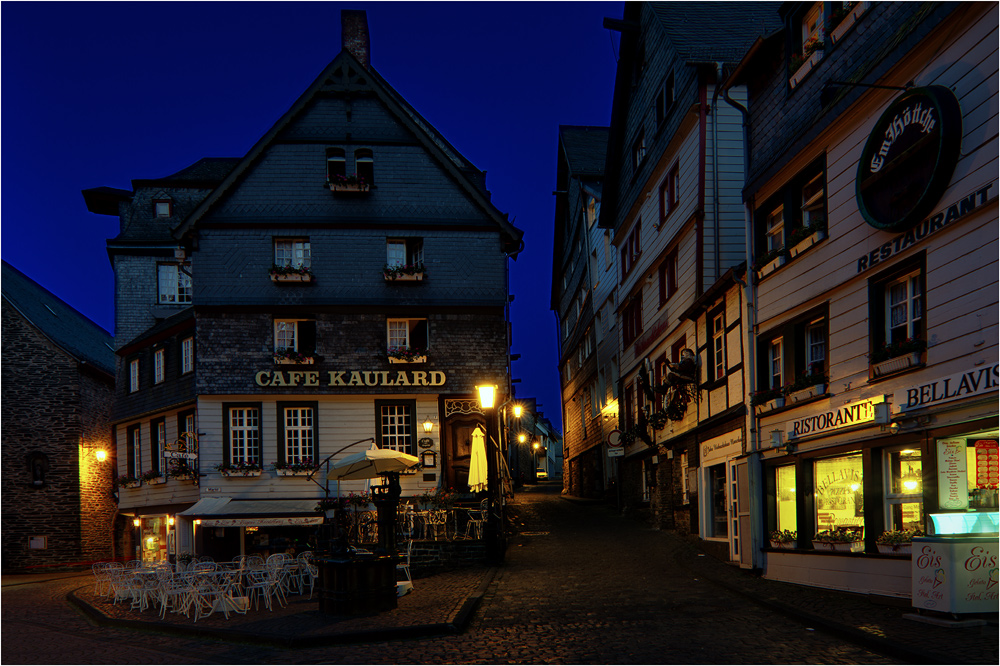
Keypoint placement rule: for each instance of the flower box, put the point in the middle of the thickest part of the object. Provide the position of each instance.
(132, 484)
(415, 359)
(839, 546)
(772, 266)
(291, 277)
(240, 472)
(293, 472)
(783, 545)
(771, 405)
(807, 242)
(805, 68)
(841, 29)
(415, 277)
(349, 188)
(807, 393)
(183, 477)
(896, 364)
(895, 548)
(306, 360)
(157, 480)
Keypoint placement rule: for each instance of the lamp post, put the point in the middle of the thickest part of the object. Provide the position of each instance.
(493, 536)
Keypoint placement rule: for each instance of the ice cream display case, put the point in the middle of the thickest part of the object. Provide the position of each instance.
(955, 567)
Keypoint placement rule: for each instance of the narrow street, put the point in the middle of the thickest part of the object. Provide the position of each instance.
(580, 585)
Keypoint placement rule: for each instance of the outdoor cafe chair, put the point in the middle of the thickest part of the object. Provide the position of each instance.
(437, 523)
(404, 581)
(261, 583)
(205, 558)
(124, 585)
(308, 572)
(133, 564)
(477, 518)
(102, 578)
(255, 562)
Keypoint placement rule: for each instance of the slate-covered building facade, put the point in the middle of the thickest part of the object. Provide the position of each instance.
(673, 177)
(872, 197)
(58, 465)
(340, 286)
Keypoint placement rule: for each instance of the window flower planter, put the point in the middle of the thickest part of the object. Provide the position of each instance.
(807, 243)
(895, 548)
(896, 364)
(415, 277)
(839, 546)
(286, 471)
(771, 405)
(349, 188)
(805, 68)
(155, 481)
(132, 484)
(183, 477)
(783, 545)
(841, 29)
(291, 277)
(415, 359)
(807, 393)
(304, 360)
(772, 265)
(237, 472)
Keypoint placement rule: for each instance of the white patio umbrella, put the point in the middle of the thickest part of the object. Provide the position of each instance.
(371, 463)
(477, 463)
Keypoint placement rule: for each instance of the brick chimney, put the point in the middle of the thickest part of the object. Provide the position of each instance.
(354, 34)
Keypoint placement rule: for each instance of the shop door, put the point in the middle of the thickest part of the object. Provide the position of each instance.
(457, 451)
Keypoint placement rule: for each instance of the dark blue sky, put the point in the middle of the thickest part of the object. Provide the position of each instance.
(101, 93)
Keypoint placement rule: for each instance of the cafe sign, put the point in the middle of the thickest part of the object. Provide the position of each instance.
(348, 378)
(859, 412)
(722, 447)
(974, 382)
(909, 158)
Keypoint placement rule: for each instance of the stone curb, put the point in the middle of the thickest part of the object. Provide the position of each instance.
(457, 625)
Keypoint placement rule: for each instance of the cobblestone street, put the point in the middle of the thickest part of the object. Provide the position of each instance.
(572, 591)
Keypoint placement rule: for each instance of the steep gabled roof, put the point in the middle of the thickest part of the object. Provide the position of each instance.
(206, 172)
(715, 31)
(585, 148)
(64, 326)
(343, 67)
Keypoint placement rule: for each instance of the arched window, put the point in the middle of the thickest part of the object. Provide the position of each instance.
(336, 164)
(365, 164)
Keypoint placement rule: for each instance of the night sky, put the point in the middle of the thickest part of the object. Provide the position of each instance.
(102, 93)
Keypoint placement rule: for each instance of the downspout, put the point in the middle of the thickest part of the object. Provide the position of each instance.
(700, 219)
(754, 471)
(715, 168)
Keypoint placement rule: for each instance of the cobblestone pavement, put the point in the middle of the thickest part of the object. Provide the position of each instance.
(580, 585)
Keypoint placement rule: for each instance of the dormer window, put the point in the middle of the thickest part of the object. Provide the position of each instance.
(364, 164)
(162, 208)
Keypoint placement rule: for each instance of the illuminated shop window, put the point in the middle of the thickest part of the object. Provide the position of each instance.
(718, 518)
(784, 483)
(904, 490)
(839, 492)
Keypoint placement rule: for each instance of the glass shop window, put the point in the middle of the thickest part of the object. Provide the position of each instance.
(904, 490)
(718, 511)
(784, 484)
(839, 492)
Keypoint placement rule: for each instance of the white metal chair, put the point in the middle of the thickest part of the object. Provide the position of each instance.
(404, 582)
(308, 572)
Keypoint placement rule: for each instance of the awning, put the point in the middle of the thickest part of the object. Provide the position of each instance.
(227, 512)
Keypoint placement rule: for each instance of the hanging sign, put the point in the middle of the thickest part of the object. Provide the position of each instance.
(909, 158)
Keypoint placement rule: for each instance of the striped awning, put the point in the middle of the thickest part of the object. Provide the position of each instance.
(227, 512)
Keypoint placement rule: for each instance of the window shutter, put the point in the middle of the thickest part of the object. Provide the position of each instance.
(225, 434)
(280, 457)
(307, 337)
(418, 336)
(132, 462)
(155, 444)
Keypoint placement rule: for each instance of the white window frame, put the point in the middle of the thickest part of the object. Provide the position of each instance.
(283, 328)
(173, 283)
(299, 429)
(162, 208)
(133, 375)
(812, 22)
(913, 302)
(399, 330)
(187, 355)
(293, 252)
(775, 229)
(719, 346)
(244, 434)
(814, 200)
(685, 493)
(159, 360)
(815, 343)
(639, 150)
(891, 498)
(161, 432)
(396, 422)
(136, 445)
(775, 373)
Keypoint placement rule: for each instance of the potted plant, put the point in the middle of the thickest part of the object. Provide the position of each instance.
(359, 500)
(804, 237)
(180, 469)
(443, 499)
(810, 383)
(240, 468)
(329, 506)
(299, 467)
(839, 540)
(768, 399)
(783, 539)
(897, 542)
(289, 273)
(127, 481)
(341, 183)
(406, 355)
(896, 356)
(285, 356)
(153, 477)
(403, 272)
(770, 260)
(802, 63)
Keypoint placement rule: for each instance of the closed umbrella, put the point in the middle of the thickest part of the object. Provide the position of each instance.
(370, 464)
(477, 463)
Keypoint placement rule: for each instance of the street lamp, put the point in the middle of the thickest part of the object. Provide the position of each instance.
(534, 459)
(492, 536)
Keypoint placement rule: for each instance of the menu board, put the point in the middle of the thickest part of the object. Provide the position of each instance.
(953, 488)
(987, 464)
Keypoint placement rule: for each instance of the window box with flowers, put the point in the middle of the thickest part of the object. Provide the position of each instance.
(897, 542)
(290, 274)
(352, 184)
(241, 468)
(897, 356)
(283, 356)
(181, 470)
(126, 481)
(839, 541)
(767, 400)
(153, 478)
(802, 63)
(301, 467)
(804, 238)
(810, 384)
(784, 539)
(842, 19)
(329, 505)
(770, 261)
(403, 273)
(406, 355)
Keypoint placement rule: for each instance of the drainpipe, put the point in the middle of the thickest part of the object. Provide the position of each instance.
(715, 167)
(754, 470)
